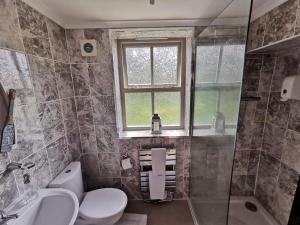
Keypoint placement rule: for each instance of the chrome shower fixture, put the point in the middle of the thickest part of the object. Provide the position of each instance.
(17, 166)
(13, 166)
(28, 165)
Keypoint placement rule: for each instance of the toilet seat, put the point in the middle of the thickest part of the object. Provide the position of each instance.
(102, 203)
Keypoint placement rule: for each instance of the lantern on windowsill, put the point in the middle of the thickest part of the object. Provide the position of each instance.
(156, 124)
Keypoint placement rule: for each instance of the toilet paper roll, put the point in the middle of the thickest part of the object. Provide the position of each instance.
(126, 164)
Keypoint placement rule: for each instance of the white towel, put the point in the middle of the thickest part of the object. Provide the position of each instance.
(157, 186)
(158, 161)
(158, 174)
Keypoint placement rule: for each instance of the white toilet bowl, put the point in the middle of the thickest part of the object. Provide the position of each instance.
(102, 207)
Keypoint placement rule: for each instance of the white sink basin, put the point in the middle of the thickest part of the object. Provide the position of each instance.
(54, 206)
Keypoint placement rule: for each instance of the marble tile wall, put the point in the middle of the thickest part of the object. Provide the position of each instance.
(257, 81)
(34, 60)
(94, 100)
(65, 106)
(278, 150)
(280, 23)
(267, 155)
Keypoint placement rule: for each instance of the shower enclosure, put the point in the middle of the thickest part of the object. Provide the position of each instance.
(219, 63)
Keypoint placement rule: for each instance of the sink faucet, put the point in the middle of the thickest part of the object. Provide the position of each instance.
(4, 218)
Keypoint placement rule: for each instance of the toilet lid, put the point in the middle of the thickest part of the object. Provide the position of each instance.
(102, 203)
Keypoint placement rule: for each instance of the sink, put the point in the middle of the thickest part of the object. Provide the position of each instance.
(54, 206)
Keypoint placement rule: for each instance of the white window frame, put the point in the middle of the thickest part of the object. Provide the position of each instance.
(152, 35)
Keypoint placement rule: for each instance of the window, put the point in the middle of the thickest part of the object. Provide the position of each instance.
(219, 70)
(152, 80)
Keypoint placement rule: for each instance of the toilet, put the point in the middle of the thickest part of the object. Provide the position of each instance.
(99, 207)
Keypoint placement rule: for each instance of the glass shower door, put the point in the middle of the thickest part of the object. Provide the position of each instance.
(220, 53)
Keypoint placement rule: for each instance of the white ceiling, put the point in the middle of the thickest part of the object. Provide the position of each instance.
(107, 10)
(111, 13)
(237, 9)
(92, 13)
(237, 13)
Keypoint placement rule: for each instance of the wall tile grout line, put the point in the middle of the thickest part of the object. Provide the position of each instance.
(74, 97)
(93, 121)
(58, 95)
(297, 11)
(75, 102)
(266, 116)
(19, 27)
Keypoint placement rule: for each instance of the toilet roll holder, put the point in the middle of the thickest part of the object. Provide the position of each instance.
(123, 165)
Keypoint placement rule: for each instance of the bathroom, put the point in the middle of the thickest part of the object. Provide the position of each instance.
(223, 76)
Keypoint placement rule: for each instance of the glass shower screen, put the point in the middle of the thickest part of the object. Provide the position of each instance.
(220, 55)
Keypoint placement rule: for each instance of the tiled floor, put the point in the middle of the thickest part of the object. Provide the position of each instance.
(173, 213)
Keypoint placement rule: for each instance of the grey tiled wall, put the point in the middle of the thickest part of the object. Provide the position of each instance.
(278, 172)
(65, 107)
(94, 100)
(251, 123)
(34, 61)
(267, 156)
(280, 23)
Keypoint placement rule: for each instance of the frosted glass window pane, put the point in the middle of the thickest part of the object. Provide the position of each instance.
(207, 63)
(205, 106)
(232, 64)
(167, 105)
(229, 104)
(138, 109)
(138, 65)
(165, 65)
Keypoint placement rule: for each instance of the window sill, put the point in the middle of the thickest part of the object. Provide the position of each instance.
(211, 132)
(147, 133)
